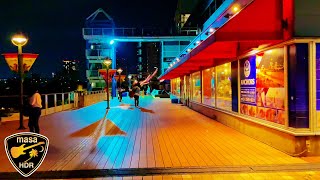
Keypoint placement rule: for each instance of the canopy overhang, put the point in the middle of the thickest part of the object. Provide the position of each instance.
(259, 23)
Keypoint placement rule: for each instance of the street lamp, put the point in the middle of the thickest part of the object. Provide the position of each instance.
(119, 71)
(107, 63)
(129, 77)
(20, 40)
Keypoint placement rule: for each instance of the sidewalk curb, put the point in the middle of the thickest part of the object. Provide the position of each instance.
(95, 173)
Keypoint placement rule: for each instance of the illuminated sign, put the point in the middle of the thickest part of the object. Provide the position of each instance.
(248, 80)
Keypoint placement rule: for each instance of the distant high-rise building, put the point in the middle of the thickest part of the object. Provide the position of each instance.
(70, 65)
(151, 57)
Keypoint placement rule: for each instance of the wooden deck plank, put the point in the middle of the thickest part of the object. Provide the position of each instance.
(151, 162)
(188, 139)
(100, 154)
(143, 143)
(163, 147)
(126, 145)
(115, 152)
(156, 146)
(90, 161)
(128, 156)
(136, 151)
(172, 154)
(180, 155)
(191, 139)
(74, 160)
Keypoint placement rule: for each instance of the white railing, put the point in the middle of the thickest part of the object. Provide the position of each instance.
(137, 32)
(57, 102)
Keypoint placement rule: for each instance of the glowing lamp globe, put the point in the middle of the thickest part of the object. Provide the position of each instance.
(19, 40)
(107, 62)
(119, 70)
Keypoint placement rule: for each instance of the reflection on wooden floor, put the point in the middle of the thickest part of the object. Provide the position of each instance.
(159, 134)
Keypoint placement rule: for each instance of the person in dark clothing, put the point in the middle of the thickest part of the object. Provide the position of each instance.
(35, 112)
(136, 90)
(120, 90)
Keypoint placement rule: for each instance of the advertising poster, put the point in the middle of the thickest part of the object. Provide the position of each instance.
(248, 86)
(270, 86)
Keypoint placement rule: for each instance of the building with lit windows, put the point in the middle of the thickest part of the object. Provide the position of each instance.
(102, 37)
(70, 65)
(255, 67)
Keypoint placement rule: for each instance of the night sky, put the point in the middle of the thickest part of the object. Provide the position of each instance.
(54, 27)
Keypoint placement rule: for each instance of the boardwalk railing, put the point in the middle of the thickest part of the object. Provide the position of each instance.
(123, 32)
(56, 102)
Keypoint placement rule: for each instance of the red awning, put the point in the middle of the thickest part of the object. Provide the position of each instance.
(256, 24)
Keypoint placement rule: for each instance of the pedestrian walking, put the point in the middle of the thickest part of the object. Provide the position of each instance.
(120, 90)
(35, 112)
(136, 91)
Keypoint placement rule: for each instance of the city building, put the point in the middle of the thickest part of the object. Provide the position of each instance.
(70, 65)
(255, 68)
(185, 8)
(102, 37)
(152, 56)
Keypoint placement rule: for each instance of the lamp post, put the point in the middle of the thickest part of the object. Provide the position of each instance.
(129, 77)
(119, 71)
(107, 63)
(20, 40)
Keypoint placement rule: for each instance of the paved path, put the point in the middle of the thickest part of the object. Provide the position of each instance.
(157, 135)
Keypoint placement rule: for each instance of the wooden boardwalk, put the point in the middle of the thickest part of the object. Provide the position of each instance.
(310, 175)
(157, 135)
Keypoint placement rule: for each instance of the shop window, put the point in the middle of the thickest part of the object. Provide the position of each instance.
(298, 94)
(223, 90)
(262, 93)
(209, 88)
(318, 83)
(182, 88)
(196, 87)
(175, 86)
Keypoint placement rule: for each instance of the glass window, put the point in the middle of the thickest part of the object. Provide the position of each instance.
(224, 93)
(209, 88)
(196, 87)
(184, 42)
(182, 88)
(318, 83)
(262, 92)
(298, 91)
(175, 87)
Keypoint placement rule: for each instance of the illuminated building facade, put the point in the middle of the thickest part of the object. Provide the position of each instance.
(255, 68)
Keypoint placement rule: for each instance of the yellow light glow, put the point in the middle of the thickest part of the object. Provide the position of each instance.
(258, 60)
(119, 70)
(235, 8)
(107, 62)
(254, 52)
(225, 65)
(19, 40)
(269, 52)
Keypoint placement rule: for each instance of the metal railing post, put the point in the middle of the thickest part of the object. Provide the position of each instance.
(62, 99)
(55, 102)
(46, 103)
(69, 96)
